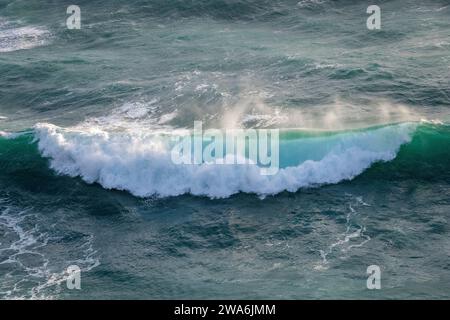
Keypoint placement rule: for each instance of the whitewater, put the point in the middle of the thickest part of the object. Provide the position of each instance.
(141, 163)
(89, 118)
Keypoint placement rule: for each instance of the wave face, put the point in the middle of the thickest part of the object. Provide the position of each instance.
(141, 163)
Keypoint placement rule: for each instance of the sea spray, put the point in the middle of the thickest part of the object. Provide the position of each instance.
(228, 147)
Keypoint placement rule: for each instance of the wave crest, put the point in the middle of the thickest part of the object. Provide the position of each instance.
(141, 164)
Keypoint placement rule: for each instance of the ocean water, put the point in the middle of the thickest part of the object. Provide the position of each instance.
(86, 176)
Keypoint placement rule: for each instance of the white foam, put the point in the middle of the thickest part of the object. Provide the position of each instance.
(353, 237)
(140, 163)
(309, 3)
(131, 116)
(28, 238)
(20, 38)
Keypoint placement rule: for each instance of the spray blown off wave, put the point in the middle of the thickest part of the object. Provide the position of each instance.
(141, 163)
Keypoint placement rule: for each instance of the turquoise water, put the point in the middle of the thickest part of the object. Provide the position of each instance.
(86, 177)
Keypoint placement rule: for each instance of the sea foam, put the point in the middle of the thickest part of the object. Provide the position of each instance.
(140, 162)
(20, 38)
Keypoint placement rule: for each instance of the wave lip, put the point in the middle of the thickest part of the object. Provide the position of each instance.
(140, 163)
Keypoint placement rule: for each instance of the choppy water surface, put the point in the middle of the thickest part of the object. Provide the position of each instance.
(364, 149)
